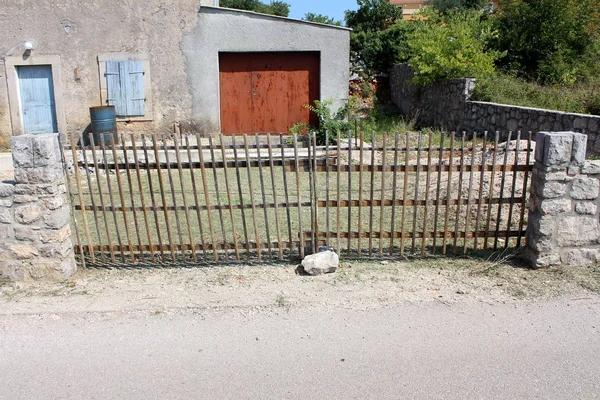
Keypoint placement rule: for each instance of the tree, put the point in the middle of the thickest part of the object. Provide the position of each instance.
(451, 46)
(548, 40)
(279, 8)
(321, 19)
(458, 5)
(378, 40)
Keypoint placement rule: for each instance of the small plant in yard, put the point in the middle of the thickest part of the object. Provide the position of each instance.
(329, 122)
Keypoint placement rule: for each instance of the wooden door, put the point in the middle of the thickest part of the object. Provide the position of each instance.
(36, 90)
(267, 92)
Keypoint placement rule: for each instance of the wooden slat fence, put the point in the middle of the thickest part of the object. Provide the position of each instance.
(162, 199)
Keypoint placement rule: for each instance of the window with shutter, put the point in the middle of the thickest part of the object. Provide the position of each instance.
(125, 87)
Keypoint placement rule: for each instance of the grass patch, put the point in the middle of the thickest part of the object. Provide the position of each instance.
(505, 89)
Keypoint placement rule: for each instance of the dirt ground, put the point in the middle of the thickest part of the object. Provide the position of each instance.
(258, 288)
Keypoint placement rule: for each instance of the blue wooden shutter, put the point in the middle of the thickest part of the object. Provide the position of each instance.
(125, 84)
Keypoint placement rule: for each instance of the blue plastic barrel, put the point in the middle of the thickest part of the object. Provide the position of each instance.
(104, 124)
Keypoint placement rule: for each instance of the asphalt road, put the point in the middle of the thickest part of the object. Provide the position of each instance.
(548, 350)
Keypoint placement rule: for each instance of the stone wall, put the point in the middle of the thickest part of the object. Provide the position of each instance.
(563, 226)
(448, 104)
(35, 215)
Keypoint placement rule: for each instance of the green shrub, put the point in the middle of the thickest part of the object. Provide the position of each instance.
(329, 122)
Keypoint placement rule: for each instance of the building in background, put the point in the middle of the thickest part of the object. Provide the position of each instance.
(409, 7)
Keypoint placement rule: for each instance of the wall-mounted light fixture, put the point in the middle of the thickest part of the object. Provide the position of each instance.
(27, 44)
(30, 44)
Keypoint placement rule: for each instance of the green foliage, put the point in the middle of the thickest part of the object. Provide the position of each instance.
(329, 122)
(545, 40)
(378, 39)
(458, 5)
(279, 8)
(321, 19)
(506, 89)
(451, 46)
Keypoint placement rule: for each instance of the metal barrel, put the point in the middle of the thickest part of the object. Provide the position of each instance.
(104, 124)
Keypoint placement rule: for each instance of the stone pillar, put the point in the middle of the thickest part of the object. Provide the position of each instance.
(563, 226)
(35, 215)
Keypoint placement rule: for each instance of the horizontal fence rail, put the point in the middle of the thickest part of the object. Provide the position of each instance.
(161, 199)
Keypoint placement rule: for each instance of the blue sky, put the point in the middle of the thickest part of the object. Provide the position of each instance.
(332, 8)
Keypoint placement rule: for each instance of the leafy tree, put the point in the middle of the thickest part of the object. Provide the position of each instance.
(547, 40)
(452, 46)
(378, 40)
(279, 8)
(321, 19)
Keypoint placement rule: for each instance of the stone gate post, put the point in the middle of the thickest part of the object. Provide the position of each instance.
(563, 226)
(35, 215)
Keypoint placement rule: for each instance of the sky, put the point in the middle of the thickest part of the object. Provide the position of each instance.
(331, 8)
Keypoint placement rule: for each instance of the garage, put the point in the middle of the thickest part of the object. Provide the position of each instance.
(267, 92)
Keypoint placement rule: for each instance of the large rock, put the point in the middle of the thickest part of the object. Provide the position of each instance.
(325, 262)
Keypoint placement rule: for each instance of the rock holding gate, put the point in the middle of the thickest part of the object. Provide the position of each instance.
(35, 227)
(323, 262)
(564, 224)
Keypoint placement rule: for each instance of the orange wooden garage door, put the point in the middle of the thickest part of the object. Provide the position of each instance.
(266, 92)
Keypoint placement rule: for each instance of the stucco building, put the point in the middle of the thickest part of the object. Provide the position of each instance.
(160, 63)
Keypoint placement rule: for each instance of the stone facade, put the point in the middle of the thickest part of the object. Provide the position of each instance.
(35, 215)
(564, 224)
(448, 104)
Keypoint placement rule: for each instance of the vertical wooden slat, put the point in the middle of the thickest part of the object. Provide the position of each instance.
(404, 192)
(131, 195)
(311, 195)
(381, 207)
(229, 203)
(350, 190)
(512, 190)
(207, 197)
(138, 174)
(275, 198)
(173, 194)
(481, 179)
(264, 196)
(196, 200)
(112, 199)
(437, 194)
(372, 194)
(491, 194)
(299, 196)
(288, 211)
(80, 196)
(394, 193)
(92, 197)
(470, 193)
(427, 187)
(525, 189)
(461, 173)
(241, 194)
(315, 193)
(338, 192)
(327, 216)
(252, 203)
(102, 202)
(448, 195)
(122, 198)
(417, 183)
(501, 200)
(218, 194)
(360, 190)
(152, 197)
(184, 199)
(163, 196)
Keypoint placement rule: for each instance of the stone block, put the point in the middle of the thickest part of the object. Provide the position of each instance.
(23, 251)
(586, 207)
(57, 250)
(54, 203)
(7, 232)
(55, 236)
(25, 233)
(22, 189)
(554, 207)
(58, 218)
(6, 189)
(46, 151)
(51, 270)
(548, 260)
(579, 149)
(23, 198)
(578, 231)
(585, 188)
(47, 190)
(581, 257)
(12, 271)
(44, 175)
(553, 190)
(22, 151)
(5, 216)
(591, 167)
(557, 148)
(28, 214)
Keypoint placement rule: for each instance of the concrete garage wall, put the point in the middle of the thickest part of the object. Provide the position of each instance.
(79, 30)
(224, 30)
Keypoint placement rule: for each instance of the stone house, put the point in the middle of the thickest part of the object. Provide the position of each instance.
(163, 63)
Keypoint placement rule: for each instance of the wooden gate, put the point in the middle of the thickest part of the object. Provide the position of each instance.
(267, 92)
(191, 200)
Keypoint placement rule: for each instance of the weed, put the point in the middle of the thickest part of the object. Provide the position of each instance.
(282, 302)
